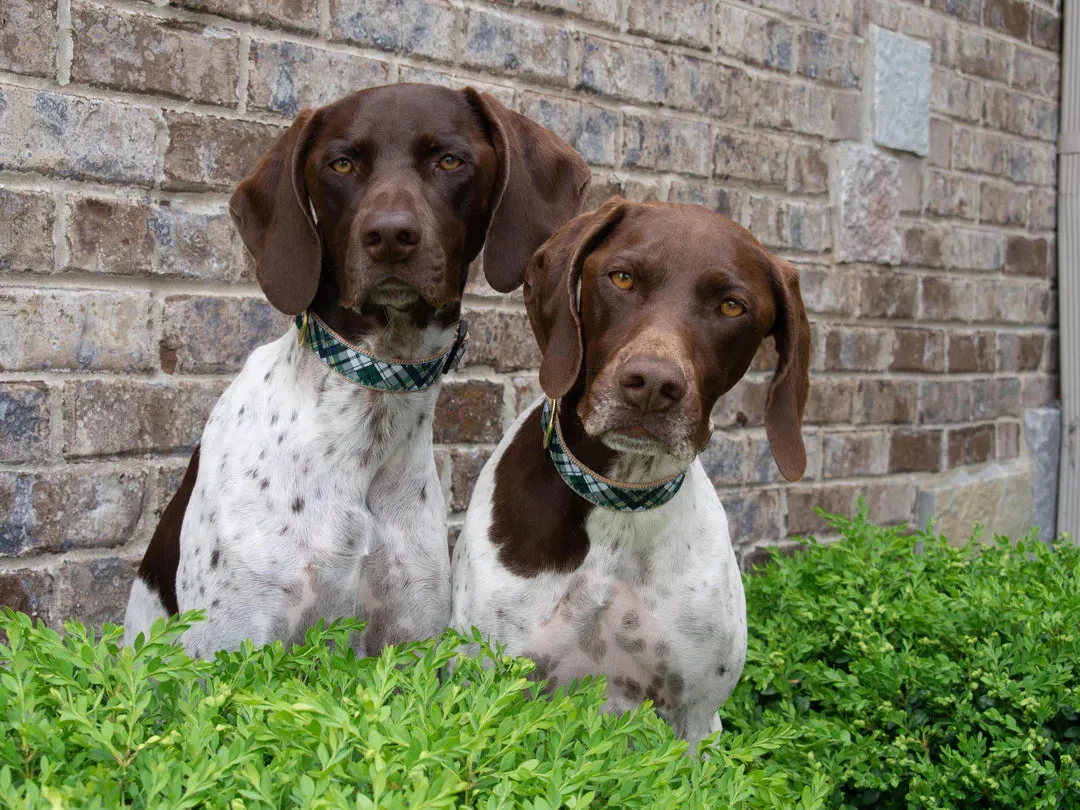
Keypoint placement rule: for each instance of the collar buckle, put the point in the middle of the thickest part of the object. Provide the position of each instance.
(549, 427)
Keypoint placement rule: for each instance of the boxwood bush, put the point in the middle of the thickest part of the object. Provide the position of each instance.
(886, 670)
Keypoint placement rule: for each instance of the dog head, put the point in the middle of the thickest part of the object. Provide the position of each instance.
(383, 198)
(647, 313)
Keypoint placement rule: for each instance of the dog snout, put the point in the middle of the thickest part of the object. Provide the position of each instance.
(652, 384)
(390, 236)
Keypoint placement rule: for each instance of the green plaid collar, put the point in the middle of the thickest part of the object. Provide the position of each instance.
(356, 365)
(594, 487)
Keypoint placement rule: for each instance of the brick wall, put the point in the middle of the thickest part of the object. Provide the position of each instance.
(902, 154)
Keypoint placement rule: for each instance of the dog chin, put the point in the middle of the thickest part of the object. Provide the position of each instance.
(393, 293)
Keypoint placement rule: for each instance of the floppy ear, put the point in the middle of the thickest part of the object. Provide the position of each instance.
(539, 185)
(791, 383)
(271, 210)
(551, 294)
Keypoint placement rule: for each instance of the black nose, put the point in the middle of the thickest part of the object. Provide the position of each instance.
(390, 236)
(651, 384)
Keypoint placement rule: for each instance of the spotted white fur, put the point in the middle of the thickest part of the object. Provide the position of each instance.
(315, 497)
(658, 594)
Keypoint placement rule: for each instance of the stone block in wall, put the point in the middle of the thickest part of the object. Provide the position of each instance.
(411, 27)
(68, 136)
(1042, 435)
(28, 37)
(997, 496)
(902, 81)
(26, 223)
(866, 199)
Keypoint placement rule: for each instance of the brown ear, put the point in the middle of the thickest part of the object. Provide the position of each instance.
(271, 210)
(551, 294)
(539, 185)
(791, 382)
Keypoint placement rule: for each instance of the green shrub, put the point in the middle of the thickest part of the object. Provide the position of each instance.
(942, 679)
(876, 677)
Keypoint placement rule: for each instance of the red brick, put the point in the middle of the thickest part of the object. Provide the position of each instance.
(914, 450)
(213, 153)
(153, 55)
(830, 401)
(858, 349)
(970, 445)
(923, 245)
(888, 294)
(1020, 351)
(469, 411)
(971, 352)
(28, 37)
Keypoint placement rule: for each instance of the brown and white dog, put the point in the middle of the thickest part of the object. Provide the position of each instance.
(313, 496)
(645, 314)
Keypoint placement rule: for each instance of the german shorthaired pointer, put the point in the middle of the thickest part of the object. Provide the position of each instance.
(314, 492)
(595, 543)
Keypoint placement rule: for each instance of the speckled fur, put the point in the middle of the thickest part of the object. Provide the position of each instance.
(315, 497)
(657, 605)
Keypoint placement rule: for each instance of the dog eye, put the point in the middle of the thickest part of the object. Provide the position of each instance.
(342, 165)
(732, 308)
(622, 280)
(449, 162)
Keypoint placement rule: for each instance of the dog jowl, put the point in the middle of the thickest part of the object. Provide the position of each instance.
(314, 493)
(595, 542)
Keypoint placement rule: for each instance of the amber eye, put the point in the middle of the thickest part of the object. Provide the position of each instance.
(449, 162)
(731, 308)
(622, 280)
(342, 165)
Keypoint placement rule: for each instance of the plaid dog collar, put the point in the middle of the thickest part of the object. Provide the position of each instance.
(356, 365)
(594, 487)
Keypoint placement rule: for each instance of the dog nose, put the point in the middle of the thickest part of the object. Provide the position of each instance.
(652, 384)
(390, 236)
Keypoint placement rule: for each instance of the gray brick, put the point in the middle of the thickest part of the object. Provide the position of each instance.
(1035, 73)
(973, 250)
(718, 91)
(74, 330)
(94, 591)
(855, 453)
(978, 55)
(68, 136)
(591, 130)
(27, 591)
(754, 38)
(465, 469)
(150, 54)
(951, 195)
(666, 144)
(120, 237)
(287, 76)
(832, 59)
(956, 96)
(108, 417)
(502, 340)
(515, 46)
(205, 152)
(70, 508)
(24, 421)
(1031, 163)
(751, 157)
(28, 37)
(225, 332)
(299, 14)
(809, 169)
(624, 71)
(685, 23)
(412, 27)
(26, 223)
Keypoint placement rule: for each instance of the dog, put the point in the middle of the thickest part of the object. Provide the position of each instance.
(594, 542)
(314, 493)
